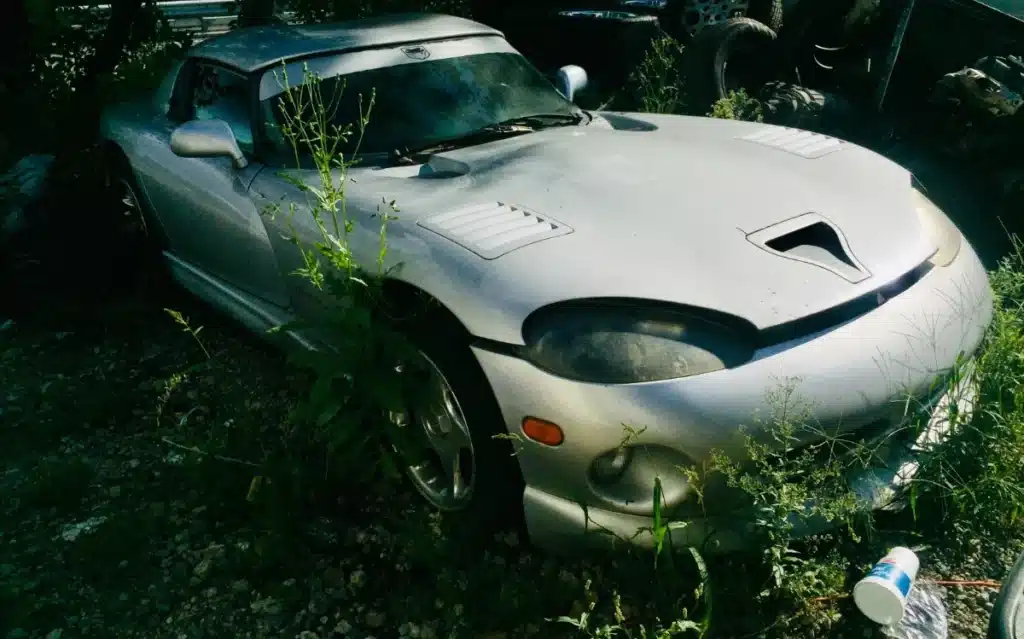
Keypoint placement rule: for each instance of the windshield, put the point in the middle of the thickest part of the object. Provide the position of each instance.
(433, 100)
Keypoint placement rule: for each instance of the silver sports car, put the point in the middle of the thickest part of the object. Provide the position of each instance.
(592, 271)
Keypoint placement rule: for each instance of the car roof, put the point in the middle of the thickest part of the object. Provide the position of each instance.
(252, 48)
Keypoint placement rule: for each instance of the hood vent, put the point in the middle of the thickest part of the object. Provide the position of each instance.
(796, 141)
(493, 229)
(812, 239)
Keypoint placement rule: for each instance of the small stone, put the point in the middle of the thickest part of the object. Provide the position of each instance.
(268, 605)
(240, 586)
(374, 619)
(202, 569)
(114, 491)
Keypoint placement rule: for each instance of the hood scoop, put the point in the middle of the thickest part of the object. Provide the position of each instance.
(493, 229)
(812, 239)
(806, 144)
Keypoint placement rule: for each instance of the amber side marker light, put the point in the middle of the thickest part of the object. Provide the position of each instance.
(543, 431)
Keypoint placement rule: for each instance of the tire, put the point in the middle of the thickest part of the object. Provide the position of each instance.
(768, 12)
(138, 239)
(496, 500)
(685, 19)
(708, 56)
(797, 106)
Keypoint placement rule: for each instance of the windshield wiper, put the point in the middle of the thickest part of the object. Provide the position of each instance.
(505, 128)
(541, 120)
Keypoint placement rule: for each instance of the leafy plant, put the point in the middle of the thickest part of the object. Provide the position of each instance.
(368, 370)
(738, 106)
(657, 83)
(973, 474)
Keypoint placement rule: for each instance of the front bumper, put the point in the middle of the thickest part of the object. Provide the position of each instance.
(850, 376)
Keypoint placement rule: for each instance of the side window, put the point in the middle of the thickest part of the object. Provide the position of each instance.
(218, 94)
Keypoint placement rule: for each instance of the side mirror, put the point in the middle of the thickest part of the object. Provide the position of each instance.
(569, 80)
(207, 139)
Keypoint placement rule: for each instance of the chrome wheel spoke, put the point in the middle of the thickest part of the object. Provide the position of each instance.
(446, 480)
(449, 438)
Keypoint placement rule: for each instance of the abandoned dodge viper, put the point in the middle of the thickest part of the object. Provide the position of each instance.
(592, 271)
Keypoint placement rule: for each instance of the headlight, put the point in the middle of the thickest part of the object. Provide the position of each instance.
(939, 228)
(619, 344)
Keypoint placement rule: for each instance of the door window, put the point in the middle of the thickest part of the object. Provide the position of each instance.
(218, 94)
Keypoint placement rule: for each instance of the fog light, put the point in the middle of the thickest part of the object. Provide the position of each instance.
(609, 467)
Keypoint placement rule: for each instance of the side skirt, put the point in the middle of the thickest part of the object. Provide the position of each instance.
(255, 314)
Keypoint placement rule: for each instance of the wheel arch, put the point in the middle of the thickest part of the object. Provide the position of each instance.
(408, 303)
(114, 157)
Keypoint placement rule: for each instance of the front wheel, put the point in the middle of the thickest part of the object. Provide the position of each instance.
(137, 240)
(468, 468)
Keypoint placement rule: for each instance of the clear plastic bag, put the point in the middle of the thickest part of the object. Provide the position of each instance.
(925, 615)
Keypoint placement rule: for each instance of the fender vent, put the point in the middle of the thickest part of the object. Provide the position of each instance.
(812, 239)
(806, 144)
(494, 229)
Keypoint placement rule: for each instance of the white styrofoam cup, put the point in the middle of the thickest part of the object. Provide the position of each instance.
(882, 594)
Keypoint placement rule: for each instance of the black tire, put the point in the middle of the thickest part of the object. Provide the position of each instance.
(497, 499)
(708, 57)
(797, 106)
(137, 238)
(685, 19)
(768, 12)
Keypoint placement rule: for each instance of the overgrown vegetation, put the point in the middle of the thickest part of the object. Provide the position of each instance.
(658, 85)
(178, 482)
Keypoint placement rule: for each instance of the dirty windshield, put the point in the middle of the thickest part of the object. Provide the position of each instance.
(436, 100)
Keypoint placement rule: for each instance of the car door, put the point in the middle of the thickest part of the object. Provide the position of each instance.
(204, 204)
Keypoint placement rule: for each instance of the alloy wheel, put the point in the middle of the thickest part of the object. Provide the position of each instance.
(445, 475)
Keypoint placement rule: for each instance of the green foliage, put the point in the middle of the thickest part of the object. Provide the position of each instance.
(656, 83)
(738, 106)
(793, 474)
(368, 371)
(973, 475)
(58, 66)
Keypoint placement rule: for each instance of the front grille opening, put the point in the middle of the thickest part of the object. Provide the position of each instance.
(868, 445)
(874, 443)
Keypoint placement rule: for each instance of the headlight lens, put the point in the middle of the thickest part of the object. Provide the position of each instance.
(940, 229)
(619, 344)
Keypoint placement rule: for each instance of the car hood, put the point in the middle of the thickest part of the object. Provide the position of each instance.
(657, 208)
